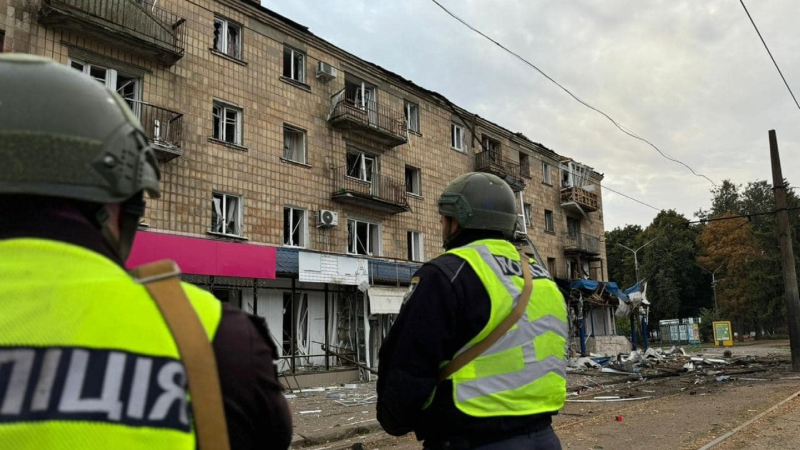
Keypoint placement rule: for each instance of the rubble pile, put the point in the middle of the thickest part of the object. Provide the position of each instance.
(658, 363)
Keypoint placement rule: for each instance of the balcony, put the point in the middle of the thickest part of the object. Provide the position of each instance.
(581, 244)
(579, 200)
(507, 169)
(353, 112)
(163, 127)
(379, 192)
(135, 26)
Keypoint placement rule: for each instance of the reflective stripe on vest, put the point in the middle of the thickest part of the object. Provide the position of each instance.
(524, 372)
(89, 360)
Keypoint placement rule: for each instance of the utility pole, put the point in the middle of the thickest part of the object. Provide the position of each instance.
(633, 314)
(787, 255)
(713, 281)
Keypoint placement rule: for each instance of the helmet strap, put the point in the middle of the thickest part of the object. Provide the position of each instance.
(131, 211)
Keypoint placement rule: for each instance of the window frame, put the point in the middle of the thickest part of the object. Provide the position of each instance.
(415, 246)
(416, 180)
(524, 164)
(411, 106)
(304, 143)
(111, 80)
(222, 134)
(527, 214)
(292, 69)
(364, 175)
(302, 233)
(453, 128)
(375, 242)
(552, 267)
(549, 221)
(495, 149)
(547, 174)
(225, 24)
(239, 219)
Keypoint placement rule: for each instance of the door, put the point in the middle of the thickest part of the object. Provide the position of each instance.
(370, 102)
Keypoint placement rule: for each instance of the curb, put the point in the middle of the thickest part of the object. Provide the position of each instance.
(336, 434)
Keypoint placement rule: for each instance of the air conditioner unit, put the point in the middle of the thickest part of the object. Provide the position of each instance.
(327, 218)
(325, 71)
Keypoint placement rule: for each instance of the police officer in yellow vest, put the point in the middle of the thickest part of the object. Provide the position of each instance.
(503, 398)
(86, 358)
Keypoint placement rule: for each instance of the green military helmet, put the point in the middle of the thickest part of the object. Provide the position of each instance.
(63, 134)
(480, 201)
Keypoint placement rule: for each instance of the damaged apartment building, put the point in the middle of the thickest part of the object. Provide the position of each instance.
(299, 182)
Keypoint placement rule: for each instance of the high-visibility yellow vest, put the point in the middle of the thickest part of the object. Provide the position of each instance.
(524, 372)
(89, 360)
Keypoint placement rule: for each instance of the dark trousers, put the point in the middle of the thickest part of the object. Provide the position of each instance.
(544, 439)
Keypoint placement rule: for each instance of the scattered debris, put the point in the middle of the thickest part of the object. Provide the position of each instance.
(607, 397)
(351, 386)
(722, 378)
(619, 418)
(610, 400)
(727, 353)
(313, 411)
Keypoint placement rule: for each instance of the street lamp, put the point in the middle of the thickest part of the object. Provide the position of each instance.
(713, 280)
(635, 257)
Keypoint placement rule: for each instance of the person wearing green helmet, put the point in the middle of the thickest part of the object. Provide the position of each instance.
(476, 357)
(88, 358)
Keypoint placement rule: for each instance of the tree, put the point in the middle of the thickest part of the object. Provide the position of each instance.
(732, 245)
(725, 199)
(621, 268)
(668, 266)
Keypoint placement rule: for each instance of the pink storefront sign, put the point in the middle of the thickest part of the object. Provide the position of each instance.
(204, 256)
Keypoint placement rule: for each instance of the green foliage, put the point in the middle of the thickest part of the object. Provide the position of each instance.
(623, 326)
(621, 268)
(707, 316)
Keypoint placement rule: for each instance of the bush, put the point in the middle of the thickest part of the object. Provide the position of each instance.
(624, 326)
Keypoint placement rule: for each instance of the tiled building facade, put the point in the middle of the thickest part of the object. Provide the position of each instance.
(262, 127)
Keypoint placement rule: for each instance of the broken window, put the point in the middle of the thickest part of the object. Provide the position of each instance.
(547, 174)
(226, 214)
(363, 238)
(573, 227)
(227, 123)
(415, 246)
(548, 221)
(412, 116)
(361, 166)
(128, 87)
(457, 137)
(294, 226)
(524, 165)
(527, 211)
(230, 296)
(294, 144)
(228, 37)
(492, 146)
(413, 181)
(294, 64)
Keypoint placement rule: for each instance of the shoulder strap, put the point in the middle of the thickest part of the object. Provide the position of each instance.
(476, 350)
(161, 280)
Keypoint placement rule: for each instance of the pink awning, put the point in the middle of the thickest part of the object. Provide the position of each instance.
(204, 256)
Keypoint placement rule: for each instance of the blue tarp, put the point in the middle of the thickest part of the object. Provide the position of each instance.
(635, 288)
(593, 285)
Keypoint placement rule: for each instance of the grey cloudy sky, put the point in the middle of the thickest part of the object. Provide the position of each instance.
(690, 76)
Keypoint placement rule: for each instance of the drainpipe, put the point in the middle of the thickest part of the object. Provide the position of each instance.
(366, 338)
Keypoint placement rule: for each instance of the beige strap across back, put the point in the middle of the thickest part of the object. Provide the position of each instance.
(161, 280)
(476, 350)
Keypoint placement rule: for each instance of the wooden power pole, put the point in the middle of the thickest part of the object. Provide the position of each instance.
(787, 255)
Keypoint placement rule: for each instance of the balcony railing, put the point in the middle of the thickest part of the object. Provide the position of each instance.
(582, 243)
(507, 169)
(162, 127)
(350, 109)
(575, 195)
(137, 26)
(378, 192)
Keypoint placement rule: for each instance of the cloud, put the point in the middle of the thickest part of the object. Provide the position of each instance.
(691, 77)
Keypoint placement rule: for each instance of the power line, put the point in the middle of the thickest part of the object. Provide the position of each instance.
(621, 128)
(630, 198)
(770, 53)
(745, 216)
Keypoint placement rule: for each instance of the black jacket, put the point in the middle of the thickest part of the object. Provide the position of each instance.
(447, 305)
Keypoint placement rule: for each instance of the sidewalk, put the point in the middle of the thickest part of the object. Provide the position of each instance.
(332, 413)
(778, 429)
